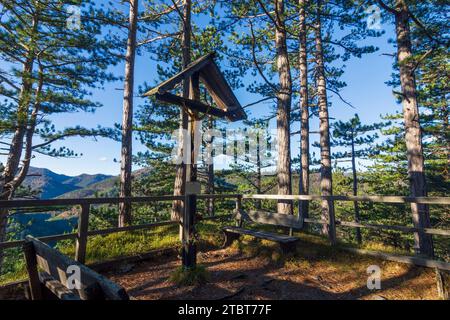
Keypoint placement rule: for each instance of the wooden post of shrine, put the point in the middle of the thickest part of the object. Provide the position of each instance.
(226, 106)
(189, 250)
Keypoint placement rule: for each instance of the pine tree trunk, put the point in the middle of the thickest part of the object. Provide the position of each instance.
(303, 208)
(326, 184)
(258, 181)
(413, 133)
(17, 142)
(210, 172)
(15, 150)
(283, 112)
(180, 176)
(210, 190)
(127, 118)
(355, 190)
(20, 176)
(445, 137)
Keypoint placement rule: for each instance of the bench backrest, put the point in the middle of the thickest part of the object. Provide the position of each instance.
(57, 268)
(276, 219)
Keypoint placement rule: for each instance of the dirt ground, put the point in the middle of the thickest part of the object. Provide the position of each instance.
(234, 274)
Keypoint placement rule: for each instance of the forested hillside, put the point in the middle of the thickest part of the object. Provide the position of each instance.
(48, 184)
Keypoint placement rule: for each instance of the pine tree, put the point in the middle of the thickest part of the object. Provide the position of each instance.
(432, 71)
(403, 14)
(127, 121)
(267, 20)
(155, 122)
(253, 158)
(52, 63)
(284, 100)
(353, 135)
(304, 107)
(326, 183)
(331, 46)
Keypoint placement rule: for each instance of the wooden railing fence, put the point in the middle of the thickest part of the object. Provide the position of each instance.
(83, 232)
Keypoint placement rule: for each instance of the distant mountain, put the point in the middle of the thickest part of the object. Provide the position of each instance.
(108, 187)
(52, 185)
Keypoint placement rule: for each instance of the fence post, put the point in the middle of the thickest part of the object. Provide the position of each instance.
(303, 206)
(238, 207)
(81, 242)
(331, 222)
(189, 250)
(32, 269)
(443, 284)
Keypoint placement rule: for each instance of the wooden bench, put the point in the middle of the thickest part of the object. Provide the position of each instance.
(287, 243)
(50, 276)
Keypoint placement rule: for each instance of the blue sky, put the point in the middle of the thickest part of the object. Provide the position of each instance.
(366, 90)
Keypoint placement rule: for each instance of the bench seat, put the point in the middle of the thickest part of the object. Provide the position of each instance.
(275, 237)
(59, 273)
(286, 242)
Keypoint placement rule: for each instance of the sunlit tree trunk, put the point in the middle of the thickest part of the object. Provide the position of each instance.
(127, 118)
(304, 107)
(8, 183)
(210, 171)
(326, 184)
(258, 182)
(355, 189)
(445, 137)
(284, 97)
(413, 133)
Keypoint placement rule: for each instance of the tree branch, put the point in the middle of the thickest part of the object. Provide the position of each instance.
(255, 61)
(387, 8)
(268, 14)
(256, 102)
(75, 133)
(341, 98)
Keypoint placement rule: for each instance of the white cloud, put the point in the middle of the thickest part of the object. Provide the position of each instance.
(103, 159)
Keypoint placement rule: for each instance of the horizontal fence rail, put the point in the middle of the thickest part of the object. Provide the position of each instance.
(98, 201)
(372, 199)
(85, 203)
(82, 233)
(375, 199)
(439, 232)
(66, 236)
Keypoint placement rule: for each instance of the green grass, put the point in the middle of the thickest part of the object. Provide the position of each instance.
(101, 248)
(106, 247)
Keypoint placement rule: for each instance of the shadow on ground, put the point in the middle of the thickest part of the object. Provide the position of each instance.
(313, 273)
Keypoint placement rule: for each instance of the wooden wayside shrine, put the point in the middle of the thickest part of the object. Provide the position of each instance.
(206, 71)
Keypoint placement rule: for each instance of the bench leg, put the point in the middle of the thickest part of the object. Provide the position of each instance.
(229, 238)
(288, 247)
